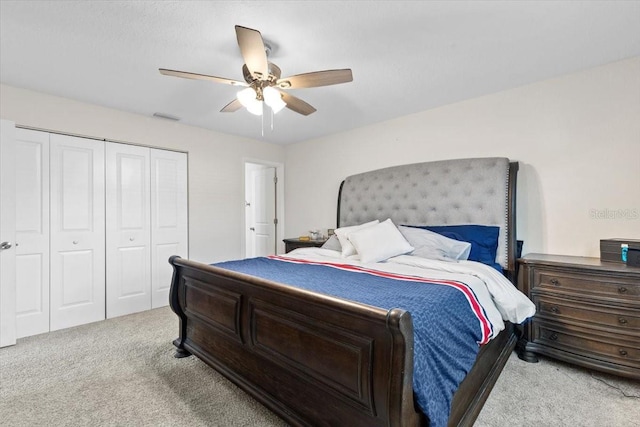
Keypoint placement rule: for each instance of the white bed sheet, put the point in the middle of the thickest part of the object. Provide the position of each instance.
(499, 297)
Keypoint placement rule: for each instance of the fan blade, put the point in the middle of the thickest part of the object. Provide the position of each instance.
(253, 51)
(234, 105)
(197, 76)
(297, 104)
(315, 79)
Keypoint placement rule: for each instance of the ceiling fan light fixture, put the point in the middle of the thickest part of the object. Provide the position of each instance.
(248, 99)
(255, 107)
(273, 99)
(247, 96)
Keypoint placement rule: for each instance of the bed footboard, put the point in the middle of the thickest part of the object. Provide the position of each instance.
(310, 358)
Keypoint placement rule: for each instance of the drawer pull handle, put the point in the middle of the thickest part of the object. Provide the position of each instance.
(622, 320)
(553, 336)
(622, 352)
(555, 282)
(622, 289)
(554, 309)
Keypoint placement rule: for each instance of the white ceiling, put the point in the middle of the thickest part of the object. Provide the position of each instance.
(406, 56)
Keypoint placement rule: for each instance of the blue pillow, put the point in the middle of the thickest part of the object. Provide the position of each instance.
(483, 239)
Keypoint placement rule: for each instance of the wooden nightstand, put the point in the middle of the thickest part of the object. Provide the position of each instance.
(295, 243)
(588, 312)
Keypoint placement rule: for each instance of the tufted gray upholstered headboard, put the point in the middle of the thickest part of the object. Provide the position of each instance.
(448, 192)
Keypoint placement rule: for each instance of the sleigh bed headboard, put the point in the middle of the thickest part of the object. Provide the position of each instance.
(449, 192)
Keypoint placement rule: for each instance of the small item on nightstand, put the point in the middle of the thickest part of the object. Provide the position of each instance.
(304, 238)
(315, 234)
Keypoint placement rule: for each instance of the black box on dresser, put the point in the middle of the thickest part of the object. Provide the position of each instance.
(633, 258)
(587, 312)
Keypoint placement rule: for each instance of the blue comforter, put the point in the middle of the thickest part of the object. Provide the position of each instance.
(448, 322)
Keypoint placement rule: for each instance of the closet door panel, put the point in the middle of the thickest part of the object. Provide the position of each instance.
(169, 219)
(77, 293)
(32, 232)
(128, 229)
(163, 270)
(76, 271)
(31, 297)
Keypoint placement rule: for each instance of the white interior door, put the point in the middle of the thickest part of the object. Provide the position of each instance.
(128, 234)
(264, 211)
(77, 231)
(32, 232)
(7, 235)
(169, 220)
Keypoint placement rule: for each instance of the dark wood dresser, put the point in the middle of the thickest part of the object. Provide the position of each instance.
(588, 312)
(295, 243)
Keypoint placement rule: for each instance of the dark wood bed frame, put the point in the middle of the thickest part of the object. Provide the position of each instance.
(315, 359)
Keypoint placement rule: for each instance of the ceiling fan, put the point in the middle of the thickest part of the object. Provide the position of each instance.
(263, 81)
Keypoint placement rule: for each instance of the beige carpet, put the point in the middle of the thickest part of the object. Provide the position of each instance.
(121, 372)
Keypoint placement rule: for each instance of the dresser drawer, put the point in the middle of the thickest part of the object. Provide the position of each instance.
(611, 348)
(605, 317)
(622, 289)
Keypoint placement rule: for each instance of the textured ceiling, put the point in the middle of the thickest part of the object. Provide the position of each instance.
(405, 56)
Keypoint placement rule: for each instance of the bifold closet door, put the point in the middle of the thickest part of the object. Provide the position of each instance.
(7, 234)
(32, 232)
(77, 268)
(169, 231)
(128, 222)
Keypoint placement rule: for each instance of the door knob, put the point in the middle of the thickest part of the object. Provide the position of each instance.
(252, 229)
(5, 245)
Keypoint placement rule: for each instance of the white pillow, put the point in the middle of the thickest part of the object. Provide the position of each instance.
(379, 242)
(435, 246)
(333, 244)
(343, 236)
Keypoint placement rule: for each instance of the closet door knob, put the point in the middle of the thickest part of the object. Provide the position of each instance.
(75, 242)
(131, 239)
(5, 245)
